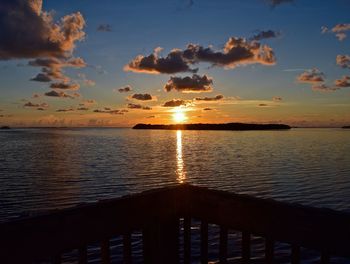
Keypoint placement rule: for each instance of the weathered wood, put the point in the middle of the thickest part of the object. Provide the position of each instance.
(105, 252)
(223, 244)
(82, 255)
(308, 227)
(295, 254)
(161, 241)
(127, 249)
(40, 238)
(204, 242)
(269, 250)
(187, 239)
(246, 246)
(325, 259)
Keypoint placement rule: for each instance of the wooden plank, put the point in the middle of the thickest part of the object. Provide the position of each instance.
(223, 244)
(82, 255)
(161, 241)
(105, 252)
(187, 240)
(269, 250)
(289, 223)
(325, 258)
(245, 247)
(295, 254)
(204, 242)
(127, 249)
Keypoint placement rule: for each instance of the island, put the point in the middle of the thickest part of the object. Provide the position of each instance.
(226, 126)
(4, 127)
(346, 127)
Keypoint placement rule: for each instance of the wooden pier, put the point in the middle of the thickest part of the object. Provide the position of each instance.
(157, 214)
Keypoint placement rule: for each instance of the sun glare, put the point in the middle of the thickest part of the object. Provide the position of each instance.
(179, 116)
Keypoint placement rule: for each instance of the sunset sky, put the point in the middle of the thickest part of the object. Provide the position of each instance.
(118, 63)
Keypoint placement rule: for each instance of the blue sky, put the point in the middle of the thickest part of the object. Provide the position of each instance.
(138, 27)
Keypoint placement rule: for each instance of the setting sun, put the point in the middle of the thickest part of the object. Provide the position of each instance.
(179, 116)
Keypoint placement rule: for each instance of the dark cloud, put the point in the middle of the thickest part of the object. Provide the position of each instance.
(107, 110)
(125, 89)
(41, 77)
(174, 62)
(26, 31)
(215, 98)
(311, 76)
(343, 82)
(41, 106)
(104, 28)
(70, 109)
(207, 109)
(266, 35)
(262, 105)
(138, 106)
(142, 97)
(237, 51)
(277, 99)
(188, 84)
(65, 86)
(82, 108)
(175, 103)
(343, 61)
(35, 95)
(59, 94)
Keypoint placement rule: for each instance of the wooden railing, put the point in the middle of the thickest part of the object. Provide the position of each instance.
(157, 214)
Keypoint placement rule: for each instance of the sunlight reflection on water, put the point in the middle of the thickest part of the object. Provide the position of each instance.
(180, 169)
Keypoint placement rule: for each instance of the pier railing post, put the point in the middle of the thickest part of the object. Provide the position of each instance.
(161, 241)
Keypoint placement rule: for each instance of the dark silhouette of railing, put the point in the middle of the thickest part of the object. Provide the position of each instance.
(157, 214)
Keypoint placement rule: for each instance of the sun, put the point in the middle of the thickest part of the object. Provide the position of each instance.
(179, 116)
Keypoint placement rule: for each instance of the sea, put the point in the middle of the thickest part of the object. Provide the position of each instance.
(51, 168)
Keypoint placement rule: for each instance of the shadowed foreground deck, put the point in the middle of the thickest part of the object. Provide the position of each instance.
(157, 214)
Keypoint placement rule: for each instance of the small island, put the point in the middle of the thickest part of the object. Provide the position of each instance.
(4, 127)
(226, 126)
(346, 127)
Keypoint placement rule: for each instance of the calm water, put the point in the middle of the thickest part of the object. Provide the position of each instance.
(44, 169)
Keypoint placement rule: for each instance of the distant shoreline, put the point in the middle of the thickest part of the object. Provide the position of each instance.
(225, 126)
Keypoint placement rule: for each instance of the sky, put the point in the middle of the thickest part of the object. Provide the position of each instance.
(119, 63)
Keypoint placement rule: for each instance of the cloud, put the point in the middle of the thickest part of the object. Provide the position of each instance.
(107, 110)
(262, 105)
(35, 95)
(42, 106)
(237, 52)
(266, 34)
(188, 84)
(175, 103)
(339, 30)
(104, 28)
(83, 108)
(208, 109)
(41, 77)
(142, 97)
(323, 88)
(274, 3)
(70, 109)
(343, 61)
(277, 99)
(124, 89)
(311, 76)
(174, 62)
(65, 86)
(59, 94)
(88, 102)
(215, 98)
(85, 80)
(343, 82)
(26, 31)
(138, 106)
